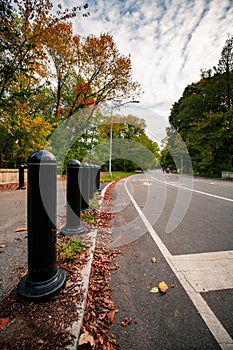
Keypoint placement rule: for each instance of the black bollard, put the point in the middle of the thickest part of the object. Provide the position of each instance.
(95, 177)
(73, 225)
(85, 185)
(43, 279)
(21, 178)
(98, 178)
(92, 182)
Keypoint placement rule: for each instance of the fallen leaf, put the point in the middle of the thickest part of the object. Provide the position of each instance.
(102, 315)
(101, 340)
(2, 245)
(4, 322)
(153, 260)
(154, 290)
(86, 338)
(173, 285)
(126, 322)
(163, 287)
(40, 341)
(20, 229)
(111, 315)
(22, 274)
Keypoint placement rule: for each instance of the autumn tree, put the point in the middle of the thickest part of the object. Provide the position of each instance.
(104, 74)
(97, 74)
(61, 60)
(23, 29)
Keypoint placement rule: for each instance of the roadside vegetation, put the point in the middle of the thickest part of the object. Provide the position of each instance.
(116, 175)
(203, 117)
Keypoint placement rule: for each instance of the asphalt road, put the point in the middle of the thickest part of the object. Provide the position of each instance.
(187, 224)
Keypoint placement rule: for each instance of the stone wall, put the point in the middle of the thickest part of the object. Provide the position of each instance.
(10, 176)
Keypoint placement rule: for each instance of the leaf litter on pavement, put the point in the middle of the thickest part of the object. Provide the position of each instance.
(45, 325)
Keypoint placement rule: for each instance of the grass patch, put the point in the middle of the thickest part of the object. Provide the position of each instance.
(89, 217)
(71, 249)
(116, 175)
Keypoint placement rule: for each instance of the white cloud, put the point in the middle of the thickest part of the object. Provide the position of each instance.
(169, 41)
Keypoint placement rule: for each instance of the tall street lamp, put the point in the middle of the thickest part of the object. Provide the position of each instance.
(110, 143)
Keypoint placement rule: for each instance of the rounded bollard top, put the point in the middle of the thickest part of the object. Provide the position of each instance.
(41, 156)
(73, 163)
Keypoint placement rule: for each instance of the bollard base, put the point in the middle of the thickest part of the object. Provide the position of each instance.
(41, 290)
(86, 209)
(66, 231)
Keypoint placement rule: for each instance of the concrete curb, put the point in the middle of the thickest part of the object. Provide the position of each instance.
(76, 327)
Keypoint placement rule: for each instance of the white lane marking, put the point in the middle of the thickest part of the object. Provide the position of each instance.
(192, 190)
(222, 337)
(207, 271)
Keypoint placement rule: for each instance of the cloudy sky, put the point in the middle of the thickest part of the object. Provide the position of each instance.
(169, 42)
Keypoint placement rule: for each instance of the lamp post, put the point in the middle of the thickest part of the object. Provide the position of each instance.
(110, 142)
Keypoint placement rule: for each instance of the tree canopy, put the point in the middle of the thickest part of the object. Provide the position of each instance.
(203, 117)
(48, 74)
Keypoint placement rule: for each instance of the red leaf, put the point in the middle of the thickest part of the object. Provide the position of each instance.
(4, 322)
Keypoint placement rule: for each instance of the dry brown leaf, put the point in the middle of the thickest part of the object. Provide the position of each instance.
(153, 260)
(163, 287)
(2, 245)
(86, 338)
(126, 322)
(102, 315)
(20, 229)
(111, 315)
(4, 322)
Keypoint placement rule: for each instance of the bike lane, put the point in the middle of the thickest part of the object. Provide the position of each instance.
(168, 320)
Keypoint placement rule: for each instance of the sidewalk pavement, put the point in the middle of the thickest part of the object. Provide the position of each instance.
(13, 245)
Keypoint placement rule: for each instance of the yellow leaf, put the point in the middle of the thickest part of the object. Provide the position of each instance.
(154, 290)
(163, 287)
(20, 229)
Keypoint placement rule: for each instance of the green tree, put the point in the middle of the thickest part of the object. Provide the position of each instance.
(225, 67)
(132, 148)
(203, 118)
